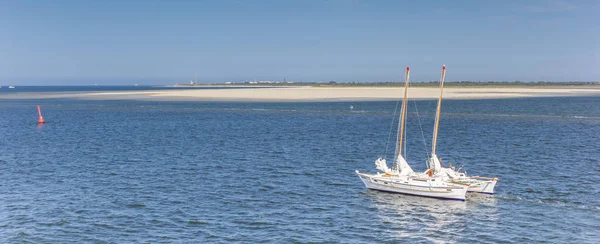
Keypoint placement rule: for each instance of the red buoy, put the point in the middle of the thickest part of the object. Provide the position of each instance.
(41, 120)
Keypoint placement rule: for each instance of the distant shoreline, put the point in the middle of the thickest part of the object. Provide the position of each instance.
(310, 94)
(457, 84)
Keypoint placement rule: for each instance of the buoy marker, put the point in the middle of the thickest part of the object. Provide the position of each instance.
(41, 119)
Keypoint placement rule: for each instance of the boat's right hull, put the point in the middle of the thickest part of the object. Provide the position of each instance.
(479, 186)
(483, 186)
(414, 188)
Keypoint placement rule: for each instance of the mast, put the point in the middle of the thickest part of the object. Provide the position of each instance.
(402, 119)
(437, 115)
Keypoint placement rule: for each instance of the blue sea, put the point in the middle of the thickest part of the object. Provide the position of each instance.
(226, 172)
(17, 89)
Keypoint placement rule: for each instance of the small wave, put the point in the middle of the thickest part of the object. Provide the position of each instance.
(59, 223)
(504, 197)
(585, 117)
(339, 184)
(532, 191)
(522, 116)
(197, 222)
(133, 160)
(266, 188)
(553, 200)
(104, 225)
(550, 201)
(136, 205)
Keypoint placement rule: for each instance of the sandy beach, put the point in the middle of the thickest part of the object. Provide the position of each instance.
(309, 94)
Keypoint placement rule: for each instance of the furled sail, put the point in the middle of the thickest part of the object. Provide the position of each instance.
(380, 164)
(435, 164)
(403, 167)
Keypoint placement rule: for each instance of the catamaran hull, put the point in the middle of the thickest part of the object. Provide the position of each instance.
(450, 193)
(478, 186)
(485, 187)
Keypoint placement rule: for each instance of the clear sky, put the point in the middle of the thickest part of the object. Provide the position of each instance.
(165, 42)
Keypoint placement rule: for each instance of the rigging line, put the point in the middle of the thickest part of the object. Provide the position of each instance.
(421, 126)
(405, 130)
(387, 142)
(405, 139)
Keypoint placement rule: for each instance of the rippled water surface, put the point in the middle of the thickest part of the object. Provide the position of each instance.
(198, 172)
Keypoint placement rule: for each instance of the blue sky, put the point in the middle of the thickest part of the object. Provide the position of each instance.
(164, 42)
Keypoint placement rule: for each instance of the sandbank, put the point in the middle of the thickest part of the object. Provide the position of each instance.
(309, 94)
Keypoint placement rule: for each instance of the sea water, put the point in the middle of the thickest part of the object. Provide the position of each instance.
(204, 172)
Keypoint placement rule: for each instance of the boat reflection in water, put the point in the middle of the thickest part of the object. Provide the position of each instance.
(413, 218)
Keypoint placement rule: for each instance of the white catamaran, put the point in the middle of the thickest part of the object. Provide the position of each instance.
(449, 174)
(402, 179)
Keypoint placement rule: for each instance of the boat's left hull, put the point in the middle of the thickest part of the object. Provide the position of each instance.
(413, 187)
